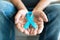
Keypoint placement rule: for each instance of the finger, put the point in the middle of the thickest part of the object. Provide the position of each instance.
(40, 26)
(29, 30)
(17, 18)
(43, 15)
(40, 29)
(30, 27)
(20, 28)
(32, 31)
(26, 32)
(35, 32)
(21, 21)
(23, 30)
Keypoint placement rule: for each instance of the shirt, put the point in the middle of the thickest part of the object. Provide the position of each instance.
(30, 4)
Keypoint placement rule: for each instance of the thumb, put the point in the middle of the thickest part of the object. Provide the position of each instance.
(43, 16)
(17, 16)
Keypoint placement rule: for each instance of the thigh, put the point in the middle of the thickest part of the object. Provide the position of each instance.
(7, 10)
(52, 28)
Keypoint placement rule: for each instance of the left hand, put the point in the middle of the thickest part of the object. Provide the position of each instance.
(40, 18)
(40, 13)
(40, 23)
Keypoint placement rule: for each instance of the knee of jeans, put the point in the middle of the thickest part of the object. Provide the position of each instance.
(53, 8)
(5, 23)
(2, 19)
(8, 8)
(5, 4)
(53, 11)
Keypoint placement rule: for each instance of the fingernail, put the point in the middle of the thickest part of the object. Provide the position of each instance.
(46, 20)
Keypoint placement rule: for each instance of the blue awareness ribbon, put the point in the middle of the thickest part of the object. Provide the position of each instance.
(30, 21)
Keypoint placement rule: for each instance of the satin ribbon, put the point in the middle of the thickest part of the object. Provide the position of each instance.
(30, 21)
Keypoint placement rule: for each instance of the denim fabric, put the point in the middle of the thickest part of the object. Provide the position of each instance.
(7, 12)
(52, 28)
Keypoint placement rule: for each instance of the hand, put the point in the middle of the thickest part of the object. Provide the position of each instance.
(20, 21)
(40, 24)
(40, 18)
(40, 13)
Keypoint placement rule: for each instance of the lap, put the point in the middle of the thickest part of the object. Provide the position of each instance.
(51, 29)
(7, 10)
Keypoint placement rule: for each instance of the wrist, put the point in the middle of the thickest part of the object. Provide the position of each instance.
(36, 10)
(24, 11)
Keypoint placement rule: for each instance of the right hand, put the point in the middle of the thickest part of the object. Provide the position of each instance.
(20, 21)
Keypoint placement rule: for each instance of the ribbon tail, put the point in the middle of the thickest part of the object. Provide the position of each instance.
(34, 25)
(26, 26)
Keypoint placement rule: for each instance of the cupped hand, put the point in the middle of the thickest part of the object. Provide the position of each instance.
(40, 18)
(40, 13)
(20, 21)
(40, 23)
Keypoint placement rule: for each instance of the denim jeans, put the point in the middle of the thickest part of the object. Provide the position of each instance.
(8, 11)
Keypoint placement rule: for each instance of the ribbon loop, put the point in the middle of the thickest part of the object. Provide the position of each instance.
(30, 21)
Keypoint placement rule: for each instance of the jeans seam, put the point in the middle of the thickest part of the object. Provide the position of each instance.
(6, 16)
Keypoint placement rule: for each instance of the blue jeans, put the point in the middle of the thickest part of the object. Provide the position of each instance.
(8, 11)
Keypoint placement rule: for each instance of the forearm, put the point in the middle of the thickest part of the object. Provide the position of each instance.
(42, 4)
(19, 4)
